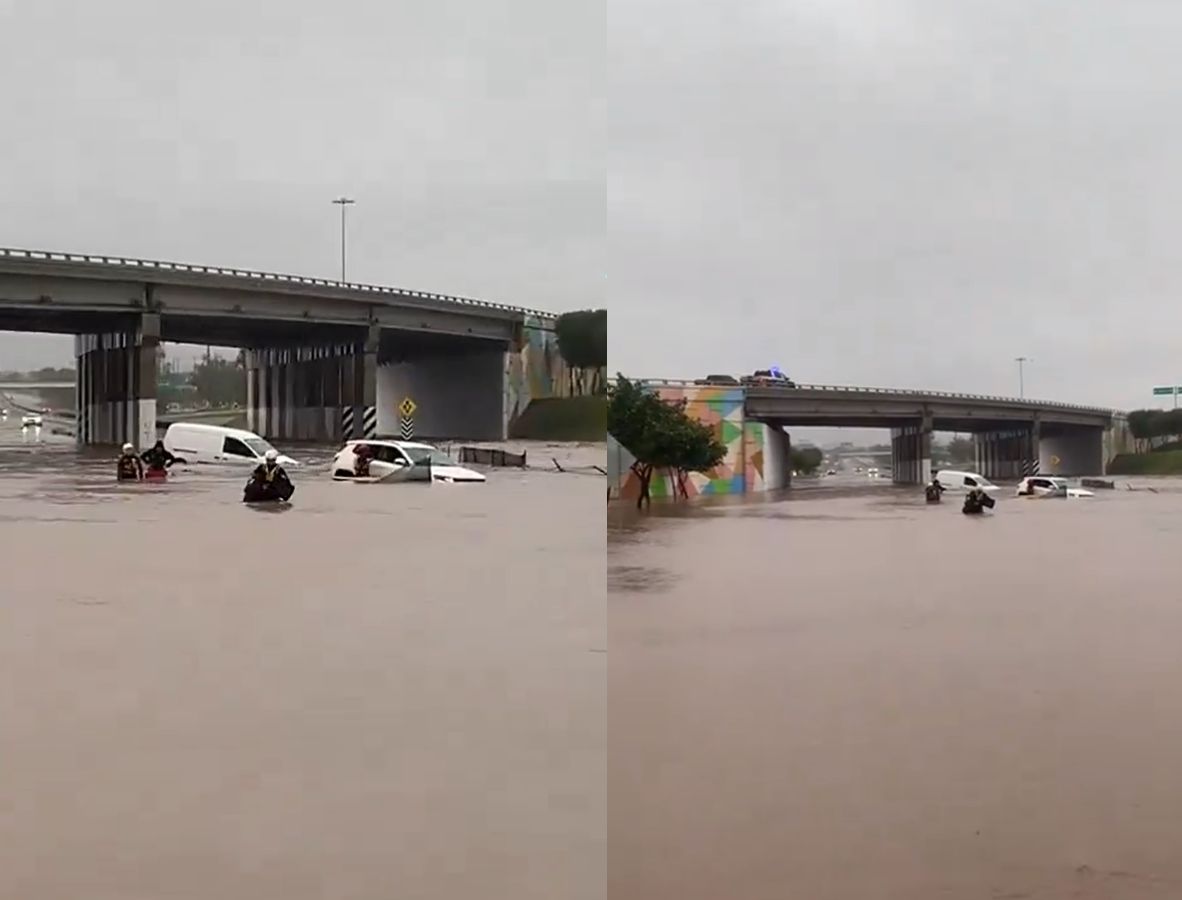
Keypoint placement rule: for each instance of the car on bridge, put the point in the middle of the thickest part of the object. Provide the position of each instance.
(768, 378)
(724, 380)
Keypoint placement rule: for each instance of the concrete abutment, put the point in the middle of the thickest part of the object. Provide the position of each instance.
(115, 384)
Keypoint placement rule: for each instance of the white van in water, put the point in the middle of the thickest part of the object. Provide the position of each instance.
(957, 481)
(196, 443)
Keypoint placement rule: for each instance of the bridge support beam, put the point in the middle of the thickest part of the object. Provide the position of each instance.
(144, 377)
(365, 384)
(911, 453)
(1009, 454)
(300, 393)
(116, 385)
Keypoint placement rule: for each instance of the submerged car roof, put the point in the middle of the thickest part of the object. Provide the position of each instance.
(219, 429)
(388, 443)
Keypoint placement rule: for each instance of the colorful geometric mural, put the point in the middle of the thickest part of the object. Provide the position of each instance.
(535, 371)
(742, 470)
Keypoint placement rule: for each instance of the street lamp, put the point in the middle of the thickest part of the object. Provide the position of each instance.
(1021, 361)
(343, 202)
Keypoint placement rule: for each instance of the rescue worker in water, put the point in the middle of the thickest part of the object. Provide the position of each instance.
(269, 481)
(933, 491)
(129, 467)
(974, 502)
(157, 458)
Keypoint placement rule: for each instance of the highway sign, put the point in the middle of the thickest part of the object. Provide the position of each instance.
(1167, 391)
(407, 408)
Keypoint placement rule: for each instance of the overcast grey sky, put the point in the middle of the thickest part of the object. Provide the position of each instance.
(470, 132)
(894, 193)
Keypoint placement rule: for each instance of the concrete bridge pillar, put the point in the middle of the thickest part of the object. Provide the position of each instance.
(925, 450)
(330, 377)
(365, 384)
(115, 385)
(1030, 449)
(296, 393)
(911, 453)
(1009, 454)
(143, 377)
(262, 413)
(252, 392)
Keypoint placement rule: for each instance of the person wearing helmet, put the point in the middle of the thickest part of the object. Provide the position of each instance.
(269, 481)
(157, 458)
(129, 467)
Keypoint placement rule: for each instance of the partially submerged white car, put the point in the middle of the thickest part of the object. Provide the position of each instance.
(1046, 486)
(957, 481)
(393, 458)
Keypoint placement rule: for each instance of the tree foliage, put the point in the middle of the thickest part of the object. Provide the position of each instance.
(582, 341)
(219, 382)
(1152, 427)
(45, 373)
(659, 435)
(961, 450)
(806, 460)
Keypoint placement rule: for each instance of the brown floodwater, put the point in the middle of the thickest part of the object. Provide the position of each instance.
(381, 692)
(849, 694)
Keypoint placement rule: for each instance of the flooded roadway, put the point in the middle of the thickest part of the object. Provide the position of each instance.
(851, 695)
(380, 692)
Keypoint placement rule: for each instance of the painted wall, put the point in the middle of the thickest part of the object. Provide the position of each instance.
(757, 455)
(1117, 439)
(537, 371)
(456, 396)
(619, 463)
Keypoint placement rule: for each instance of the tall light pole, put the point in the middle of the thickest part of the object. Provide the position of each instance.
(1021, 361)
(343, 202)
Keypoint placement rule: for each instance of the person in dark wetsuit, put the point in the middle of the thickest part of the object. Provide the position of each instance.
(972, 502)
(157, 458)
(129, 467)
(362, 455)
(268, 482)
(933, 491)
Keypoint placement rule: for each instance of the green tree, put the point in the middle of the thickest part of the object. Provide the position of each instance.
(806, 460)
(220, 382)
(582, 341)
(1152, 427)
(962, 450)
(660, 436)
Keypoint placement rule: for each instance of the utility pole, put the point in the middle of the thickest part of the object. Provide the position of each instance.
(343, 202)
(1021, 361)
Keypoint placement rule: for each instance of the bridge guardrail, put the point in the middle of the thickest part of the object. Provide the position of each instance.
(910, 392)
(128, 262)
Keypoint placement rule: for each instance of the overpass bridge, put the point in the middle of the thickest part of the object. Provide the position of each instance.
(326, 360)
(1013, 437)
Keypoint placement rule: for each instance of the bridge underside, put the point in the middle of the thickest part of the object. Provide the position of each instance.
(1005, 448)
(306, 380)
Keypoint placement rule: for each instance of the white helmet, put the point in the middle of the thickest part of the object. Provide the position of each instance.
(272, 455)
(128, 448)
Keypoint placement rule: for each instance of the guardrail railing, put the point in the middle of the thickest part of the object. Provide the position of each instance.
(852, 389)
(127, 262)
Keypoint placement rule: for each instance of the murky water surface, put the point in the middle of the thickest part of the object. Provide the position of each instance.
(381, 692)
(849, 694)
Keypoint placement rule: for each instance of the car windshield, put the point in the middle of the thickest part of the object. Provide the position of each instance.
(433, 455)
(258, 445)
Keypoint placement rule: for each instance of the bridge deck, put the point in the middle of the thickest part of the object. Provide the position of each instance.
(868, 407)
